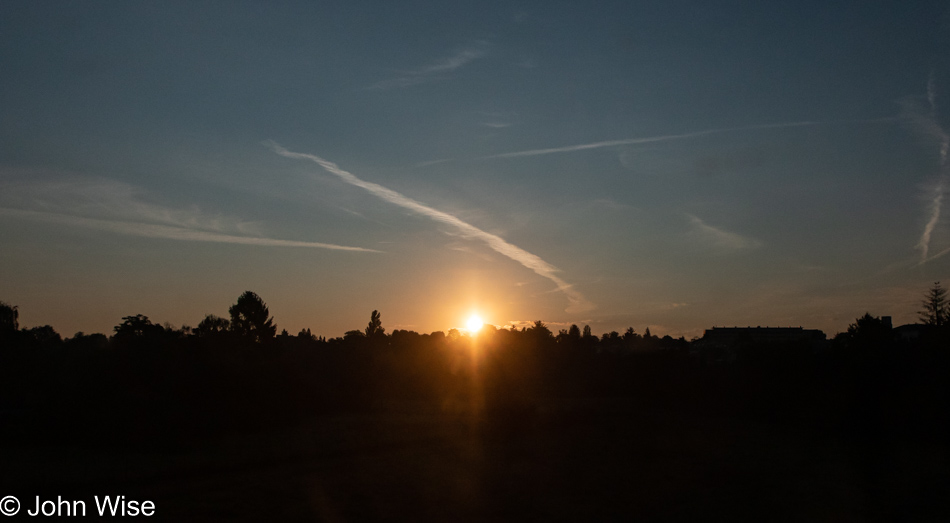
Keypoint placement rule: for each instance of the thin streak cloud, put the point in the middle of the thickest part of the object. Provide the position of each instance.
(683, 136)
(578, 302)
(938, 255)
(432, 72)
(720, 237)
(432, 162)
(934, 209)
(928, 124)
(150, 230)
(461, 58)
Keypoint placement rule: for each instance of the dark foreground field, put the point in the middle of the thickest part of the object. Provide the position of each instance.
(597, 460)
(520, 435)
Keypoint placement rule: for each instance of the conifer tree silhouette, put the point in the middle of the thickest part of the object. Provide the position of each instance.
(936, 310)
(250, 318)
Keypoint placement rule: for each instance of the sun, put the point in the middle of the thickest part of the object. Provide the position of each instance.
(474, 323)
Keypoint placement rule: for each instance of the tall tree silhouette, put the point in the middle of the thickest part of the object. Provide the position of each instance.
(936, 310)
(251, 319)
(574, 333)
(9, 317)
(375, 327)
(629, 334)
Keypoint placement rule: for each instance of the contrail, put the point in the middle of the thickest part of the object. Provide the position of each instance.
(936, 127)
(930, 125)
(938, 255)
(683, 136)
(924, 243)
(149, 230)
(578, 303)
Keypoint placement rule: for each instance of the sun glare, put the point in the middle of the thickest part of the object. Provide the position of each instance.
(474, 323)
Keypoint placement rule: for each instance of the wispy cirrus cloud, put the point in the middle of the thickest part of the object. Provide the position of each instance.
(436, 70)
(402, 81)
(458, 60)
(719, 237)
(115, 207)
(463, 229)
(925, 121)
(936, 194)
(497, 119)
(113, 200)
(682, 136)
(152, 230)
(432, 162)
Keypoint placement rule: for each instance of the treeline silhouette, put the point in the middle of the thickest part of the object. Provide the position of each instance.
(153, 384)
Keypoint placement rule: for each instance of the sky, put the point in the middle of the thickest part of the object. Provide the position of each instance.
(671, 165)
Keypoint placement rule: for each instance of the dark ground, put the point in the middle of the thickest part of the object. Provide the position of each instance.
(592, 460)
(526, 433)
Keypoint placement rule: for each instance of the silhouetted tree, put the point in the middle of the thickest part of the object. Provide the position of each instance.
(9, 317)
(629, 334)
(137, 330)
(454, 334)
(574, 333)
(631, 339)
(87, 341)
(353, 336)
(588, 340)
(250, 318)
(869, 332)
(9, 325)
(936, 310)
(212, 326)
(540, 330)
(568, 337)
(133, 327)
(43, 337)
(538, 335)
(487, 332)
(305, 334)
(375, 327)
(611, 342)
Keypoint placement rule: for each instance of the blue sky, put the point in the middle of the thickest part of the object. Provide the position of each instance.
(672, 165)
